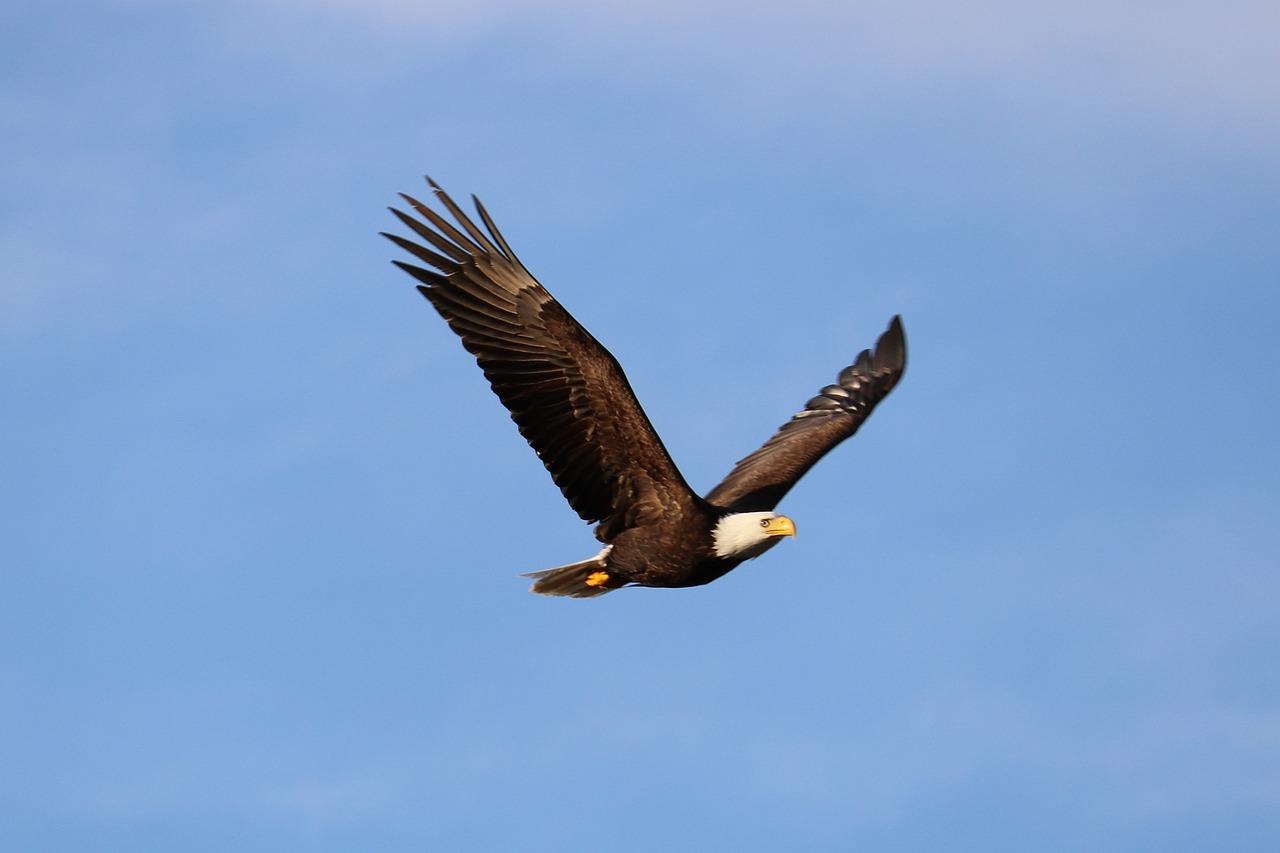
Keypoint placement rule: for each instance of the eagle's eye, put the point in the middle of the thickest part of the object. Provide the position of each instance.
(764, 522)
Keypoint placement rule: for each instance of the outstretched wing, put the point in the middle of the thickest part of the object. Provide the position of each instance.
(758, 482)
(565, 391)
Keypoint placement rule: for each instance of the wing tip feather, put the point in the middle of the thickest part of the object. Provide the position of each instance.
(891, 348)
(425, 276)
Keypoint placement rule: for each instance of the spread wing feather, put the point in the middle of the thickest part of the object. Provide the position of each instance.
(758, 482)
(565, 391)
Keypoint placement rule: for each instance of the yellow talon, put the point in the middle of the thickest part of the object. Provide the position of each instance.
(597, 579)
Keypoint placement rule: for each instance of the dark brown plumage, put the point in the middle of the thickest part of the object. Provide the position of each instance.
(574, 405)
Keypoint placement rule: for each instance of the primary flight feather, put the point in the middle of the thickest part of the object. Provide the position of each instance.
(574, 405)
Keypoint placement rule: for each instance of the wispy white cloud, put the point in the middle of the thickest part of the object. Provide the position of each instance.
(1189, 60)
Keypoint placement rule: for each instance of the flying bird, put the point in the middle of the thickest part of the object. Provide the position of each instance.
(572, 402)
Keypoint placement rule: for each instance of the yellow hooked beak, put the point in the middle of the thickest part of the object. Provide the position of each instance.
(780, 526)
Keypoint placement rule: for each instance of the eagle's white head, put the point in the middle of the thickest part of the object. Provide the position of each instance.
(743, 535)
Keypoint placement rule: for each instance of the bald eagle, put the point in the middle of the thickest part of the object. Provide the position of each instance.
(572, 402)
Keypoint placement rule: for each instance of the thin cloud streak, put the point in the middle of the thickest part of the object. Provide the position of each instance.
(1185, 61)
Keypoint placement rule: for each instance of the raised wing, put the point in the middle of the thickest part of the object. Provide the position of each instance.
(759, 482)
(565, 391)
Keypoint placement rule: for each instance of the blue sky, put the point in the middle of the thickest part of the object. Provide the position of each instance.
(263, 518)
